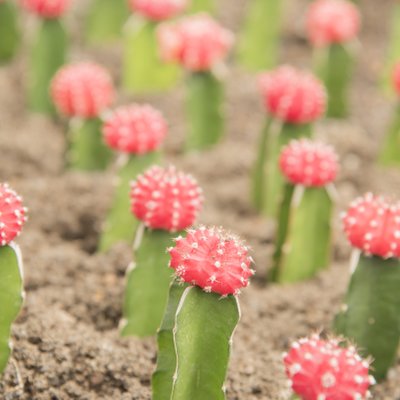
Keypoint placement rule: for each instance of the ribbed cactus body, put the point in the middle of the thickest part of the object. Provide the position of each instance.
(47, 56)
(120, 225)
(370, 314)
(259, 42)
(202, 6)
(390, 153)
(11, 297)
(9, 32)
(205, 110)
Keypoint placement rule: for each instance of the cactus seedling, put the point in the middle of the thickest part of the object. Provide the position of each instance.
(48, 51)
(196, 334)
(306, 210)
(293, 99)
(199, 44)
(332, 27)
(12, 219)
(82, 92)
(9, 30)
(137, 132)
(370, 315)
(325, 370)
(144, 70)
(166, 201)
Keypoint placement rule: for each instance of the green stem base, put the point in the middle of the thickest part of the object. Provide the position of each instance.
(9, 32)
(390, 153)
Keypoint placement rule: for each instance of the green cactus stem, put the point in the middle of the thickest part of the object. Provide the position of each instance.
(148, 281)
(370, 315)
(86, 148)
(48, 55)
(306, 220)
(120, 224)
(334, 65)
(202, 6)
(205, 114)
(267, 181)
(390, 153)
(11, 297)
(9, 32)
(259, 43)
(106, 19)
(144, 71)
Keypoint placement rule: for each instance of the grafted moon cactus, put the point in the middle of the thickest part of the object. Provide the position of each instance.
(82, 92)
(199, 44)
(9, 30)
(137, 132)
(201, 316)
(370, 314)
(293, 100)
(326, 369)
(12, 219)
(306, 210)
(332, 27)
(166, 201)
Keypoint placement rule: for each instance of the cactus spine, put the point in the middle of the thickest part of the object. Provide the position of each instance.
(9, 32)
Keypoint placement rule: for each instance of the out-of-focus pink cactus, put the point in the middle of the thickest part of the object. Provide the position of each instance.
(396, 78)
(158, 10)
(47, 8)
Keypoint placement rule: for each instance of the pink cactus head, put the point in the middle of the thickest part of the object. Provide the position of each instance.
(197, 42)
(212, 259)
(82, 90)
(136, 129)
(332, 21)
(12, 214)
(322, 369)
(372, 224)
(308, 163)
(48, 9)
(158, 10)
(396, 78)
(293, 96)
(164, 198)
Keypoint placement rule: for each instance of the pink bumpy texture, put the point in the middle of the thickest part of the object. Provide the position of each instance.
(332, 21)
(308, 163)
(396, 78)
(158, 10)
(213, 260)
(135, 129)
(372, 224)
(197, 42)
(49, 9)
(12, 214)
(164, 198)
(322, 370)
(82, 90)
(293, 96)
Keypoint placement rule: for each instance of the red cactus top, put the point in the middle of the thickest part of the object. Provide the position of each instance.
(197, 42)
(319, 369)
(158, 10)
(308, 163)
(167, 199)
(82, 90)
(136, 129)
(12, 214)
(372, 224)
(292, 95)
(212, 259)
(332, 21)
(396, 78)
(49, 9)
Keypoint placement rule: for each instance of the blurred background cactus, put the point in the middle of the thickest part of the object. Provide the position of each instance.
(9, 30)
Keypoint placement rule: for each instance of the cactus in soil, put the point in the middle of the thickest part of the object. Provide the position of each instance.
(332, 27)
(9, 30)
(293, 100)
(259, 41)
(305, 212)
(199, 44)
(326, 370)
(166, 201)
(12, 218)
(144, 70)
(370, 314)
(200, 319)
(82, 92)
(48, 51)
(137, 132)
